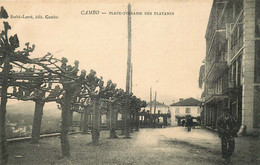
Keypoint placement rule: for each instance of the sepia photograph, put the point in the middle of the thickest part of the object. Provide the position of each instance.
(129, 82)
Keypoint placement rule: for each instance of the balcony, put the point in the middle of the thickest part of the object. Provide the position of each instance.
(216, 98)
(236, 36)
(216, 90)
(232, 87)
(236, 47)
(216, 70)
(216, 59)
(213, 95)
(208, 94)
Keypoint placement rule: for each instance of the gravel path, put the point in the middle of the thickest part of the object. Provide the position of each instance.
(165, 146)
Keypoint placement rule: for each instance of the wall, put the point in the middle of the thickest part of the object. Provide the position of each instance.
(248, 65)
(164, 109)
(194, 111)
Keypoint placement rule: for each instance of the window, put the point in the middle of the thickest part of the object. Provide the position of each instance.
(257, 19)
(187, 110)
(103, 118)
(177, 110)
(119, 117)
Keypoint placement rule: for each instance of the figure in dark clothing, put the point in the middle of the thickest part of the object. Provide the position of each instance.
(189, 123)
(227, 129)
(183, 123)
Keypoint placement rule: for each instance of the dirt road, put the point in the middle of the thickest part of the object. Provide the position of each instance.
(165, 146)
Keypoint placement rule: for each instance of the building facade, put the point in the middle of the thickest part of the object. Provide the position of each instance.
(155, 114)
(157, 108)
(230, 76)
(180, 110)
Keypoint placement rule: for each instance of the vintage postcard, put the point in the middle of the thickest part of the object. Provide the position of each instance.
(129, 82)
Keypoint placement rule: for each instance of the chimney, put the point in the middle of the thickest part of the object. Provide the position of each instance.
(181, 99)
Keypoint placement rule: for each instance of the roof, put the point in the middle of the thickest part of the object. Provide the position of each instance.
(157, 104)
(187, 102)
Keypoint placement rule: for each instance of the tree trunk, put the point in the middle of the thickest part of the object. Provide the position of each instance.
(140, 121)
(37, 120)
(85, 122)
(116, 119)
(165, 121)
(132, 118)
(71, 118)
(65, 124)
(127, 118)
(3, 147)
(109, 116)
(123, 122)
(81, 121)
(96, 120)
(145, 120)
(112, 122)
(150, 121)
(136, 120)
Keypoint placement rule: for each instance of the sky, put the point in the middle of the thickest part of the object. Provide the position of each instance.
(167, 50)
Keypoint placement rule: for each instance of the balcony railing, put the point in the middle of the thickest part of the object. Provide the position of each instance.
(236, 47)
(231, 84)
(218, 88)
(216, 69)
(236, 35)
(214, 98)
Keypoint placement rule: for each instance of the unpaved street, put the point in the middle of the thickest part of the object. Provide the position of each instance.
(164, 146)
(168, 146)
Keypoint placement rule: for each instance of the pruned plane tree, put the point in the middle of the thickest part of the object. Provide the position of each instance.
(33, 79)
(47, 79)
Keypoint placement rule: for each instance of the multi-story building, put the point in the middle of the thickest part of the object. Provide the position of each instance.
(183, 108)
(230, 76)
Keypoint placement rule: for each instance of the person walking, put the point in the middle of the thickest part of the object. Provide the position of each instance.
(227, 127)
(183, 122)
(189, 123)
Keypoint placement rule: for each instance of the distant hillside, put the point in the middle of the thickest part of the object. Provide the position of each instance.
(27, 107)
